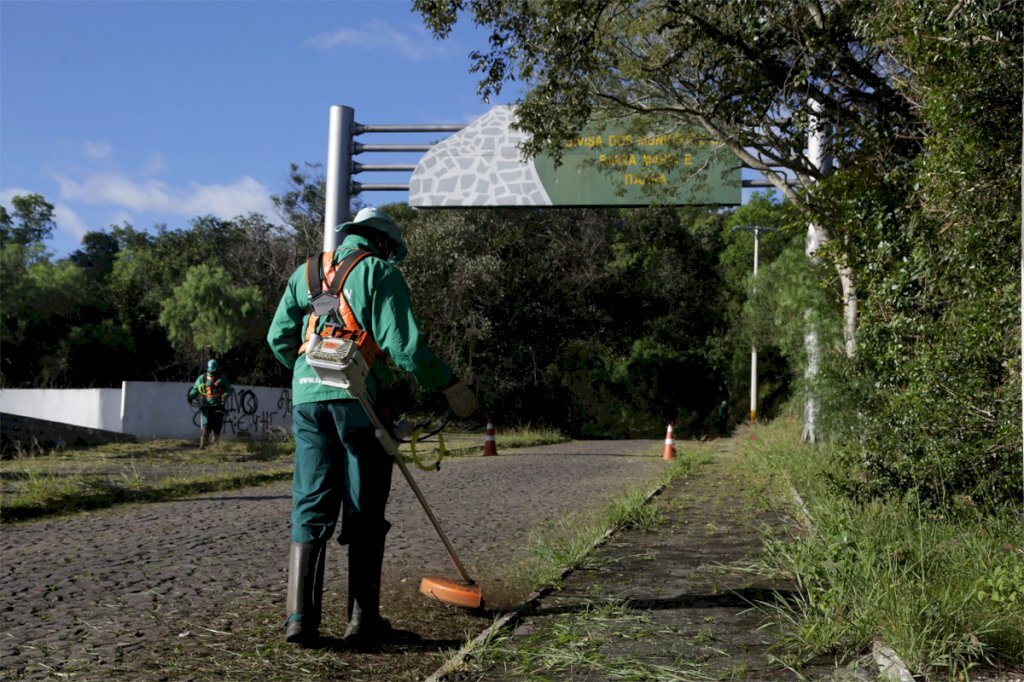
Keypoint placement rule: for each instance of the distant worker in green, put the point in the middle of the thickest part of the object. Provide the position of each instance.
(722, 417)
(340, 467)
(212, 389)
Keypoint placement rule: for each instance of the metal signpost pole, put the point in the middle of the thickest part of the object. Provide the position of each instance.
(339, 172)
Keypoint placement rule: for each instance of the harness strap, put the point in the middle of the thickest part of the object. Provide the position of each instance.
(207, 388)
(345, 267)
(320, 284)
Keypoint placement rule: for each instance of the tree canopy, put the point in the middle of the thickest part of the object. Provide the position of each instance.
(919, 215)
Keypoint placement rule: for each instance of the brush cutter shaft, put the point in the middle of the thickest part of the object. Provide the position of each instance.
(433, 520)
(392, 449)
(339, 362)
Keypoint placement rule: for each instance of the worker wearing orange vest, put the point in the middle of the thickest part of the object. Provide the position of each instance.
(212, 389)
(340, 467)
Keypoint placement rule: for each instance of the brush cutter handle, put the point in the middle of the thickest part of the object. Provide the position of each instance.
(427, 432)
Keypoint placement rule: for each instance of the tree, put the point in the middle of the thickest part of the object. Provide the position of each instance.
(32, 223)
(209, 312)
(97, 254)
(920, 221)
(756, 76)
(302, 207)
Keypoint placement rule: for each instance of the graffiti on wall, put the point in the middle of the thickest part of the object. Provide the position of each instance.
(244, 417)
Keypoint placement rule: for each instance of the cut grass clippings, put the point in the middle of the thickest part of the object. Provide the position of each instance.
(571, 644)
(944, 591)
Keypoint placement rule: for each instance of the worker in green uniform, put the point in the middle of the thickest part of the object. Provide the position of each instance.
(212, 389)
(340, 467)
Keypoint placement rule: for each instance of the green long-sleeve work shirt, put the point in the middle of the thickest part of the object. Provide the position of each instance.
(379, 298)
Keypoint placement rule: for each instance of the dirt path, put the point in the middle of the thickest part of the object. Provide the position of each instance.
(194, 588)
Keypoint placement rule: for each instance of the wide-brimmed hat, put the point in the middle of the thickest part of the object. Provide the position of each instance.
(377, 219)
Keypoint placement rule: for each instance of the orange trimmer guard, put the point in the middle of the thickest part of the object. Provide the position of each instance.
(451, 592)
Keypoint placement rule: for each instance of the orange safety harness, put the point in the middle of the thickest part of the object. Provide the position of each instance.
(327, 279)
(211, 388)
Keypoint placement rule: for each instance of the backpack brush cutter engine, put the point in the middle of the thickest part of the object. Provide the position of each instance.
(339, 362)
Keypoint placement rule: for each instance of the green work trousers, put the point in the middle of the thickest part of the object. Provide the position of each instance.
(213, 417)
(340, 468)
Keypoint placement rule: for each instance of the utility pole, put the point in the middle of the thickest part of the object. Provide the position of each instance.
(756, 230)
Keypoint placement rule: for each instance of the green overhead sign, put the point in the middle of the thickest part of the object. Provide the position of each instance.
(604, 166)
(615, 167)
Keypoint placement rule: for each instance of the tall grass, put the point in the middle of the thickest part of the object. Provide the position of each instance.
(945, 592)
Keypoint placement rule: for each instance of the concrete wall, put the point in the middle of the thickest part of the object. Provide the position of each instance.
(161, 410)
(94, 408)
(152, 409)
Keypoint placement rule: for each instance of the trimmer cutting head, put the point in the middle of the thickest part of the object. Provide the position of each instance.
(466, 595)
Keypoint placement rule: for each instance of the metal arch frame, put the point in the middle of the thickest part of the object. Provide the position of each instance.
(341, 166)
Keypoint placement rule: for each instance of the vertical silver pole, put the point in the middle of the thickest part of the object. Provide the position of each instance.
(753, 348)
(339, 172)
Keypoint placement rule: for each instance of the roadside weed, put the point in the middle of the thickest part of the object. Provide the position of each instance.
(945, 592)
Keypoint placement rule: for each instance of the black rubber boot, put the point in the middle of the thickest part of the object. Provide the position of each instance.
(305, 590)
(203, 437)
(365, 561)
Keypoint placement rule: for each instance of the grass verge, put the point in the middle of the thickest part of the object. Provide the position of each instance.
(568, 544)
(36, 484)
(946, 593)
(92, 478)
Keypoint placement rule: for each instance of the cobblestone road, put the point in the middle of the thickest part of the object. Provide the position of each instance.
(85, 591)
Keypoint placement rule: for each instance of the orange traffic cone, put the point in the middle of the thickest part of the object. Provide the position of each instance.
(490, 447)
(670, 445)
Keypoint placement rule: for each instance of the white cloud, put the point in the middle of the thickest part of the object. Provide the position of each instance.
(69, 221)
(120, 218)
(224, 201)
(96, 150)
(154, 165)
(415, 43)
(7, 194)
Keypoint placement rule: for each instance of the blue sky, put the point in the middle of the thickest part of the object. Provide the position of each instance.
(152, 112)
